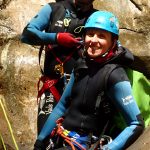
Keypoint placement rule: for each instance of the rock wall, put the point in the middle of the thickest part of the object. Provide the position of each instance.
(19, 73)
(19, 69)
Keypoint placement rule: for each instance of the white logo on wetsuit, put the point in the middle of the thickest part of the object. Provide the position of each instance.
(59, 23)
(127, 100)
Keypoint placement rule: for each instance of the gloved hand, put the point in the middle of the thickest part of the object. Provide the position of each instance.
(68, 40)
(39, 145)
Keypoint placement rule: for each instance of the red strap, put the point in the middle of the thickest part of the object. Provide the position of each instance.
(48, 84)
(55, 93)
(58, 59)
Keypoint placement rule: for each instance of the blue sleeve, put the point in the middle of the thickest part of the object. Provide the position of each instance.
(121, 95)
(34, 34)
(57, 112)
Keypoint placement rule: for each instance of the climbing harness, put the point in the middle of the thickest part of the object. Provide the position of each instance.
(59, 68)
(60, 131)
(71, 137)
(48, 84)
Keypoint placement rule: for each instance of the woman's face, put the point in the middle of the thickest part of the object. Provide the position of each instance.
(97, 42)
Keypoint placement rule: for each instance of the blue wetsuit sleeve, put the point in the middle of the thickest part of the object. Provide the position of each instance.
(121, 96)
(34, 33)
(57, 112)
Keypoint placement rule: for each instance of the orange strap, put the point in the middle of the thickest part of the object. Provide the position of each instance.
(70, 141)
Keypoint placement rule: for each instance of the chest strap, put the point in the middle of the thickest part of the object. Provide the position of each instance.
(48, 84)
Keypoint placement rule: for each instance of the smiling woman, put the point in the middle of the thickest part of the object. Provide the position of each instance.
(97, 88)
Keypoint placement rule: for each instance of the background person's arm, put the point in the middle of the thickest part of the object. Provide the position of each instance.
(34, 34)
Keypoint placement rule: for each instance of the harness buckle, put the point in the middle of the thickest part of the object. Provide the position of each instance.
(59, 69)
(67, 22)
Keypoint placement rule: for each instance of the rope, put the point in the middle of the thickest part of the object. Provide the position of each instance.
(3, 144)
(9, 125)
(70, 141)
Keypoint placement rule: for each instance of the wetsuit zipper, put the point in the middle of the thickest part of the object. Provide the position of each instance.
(84, 102)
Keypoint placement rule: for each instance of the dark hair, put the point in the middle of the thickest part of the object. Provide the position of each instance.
(114, 36)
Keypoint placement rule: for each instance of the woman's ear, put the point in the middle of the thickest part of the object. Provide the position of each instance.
(114, 43)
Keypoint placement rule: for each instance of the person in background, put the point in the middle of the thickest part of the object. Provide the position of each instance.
(98, 87)
(58, 27)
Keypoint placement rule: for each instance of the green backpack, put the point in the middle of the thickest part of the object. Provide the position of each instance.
(141, 91)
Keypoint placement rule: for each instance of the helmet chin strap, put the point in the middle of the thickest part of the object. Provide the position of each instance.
(103, 55)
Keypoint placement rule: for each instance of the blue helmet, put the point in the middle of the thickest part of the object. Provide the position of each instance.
(103, 20)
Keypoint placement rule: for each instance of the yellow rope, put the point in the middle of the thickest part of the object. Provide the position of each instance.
(1, 138)
(78, 29)
(10, 129)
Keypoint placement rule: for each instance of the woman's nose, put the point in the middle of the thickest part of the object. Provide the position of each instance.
(94, 38)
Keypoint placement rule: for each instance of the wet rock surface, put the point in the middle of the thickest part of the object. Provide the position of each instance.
(19, 68)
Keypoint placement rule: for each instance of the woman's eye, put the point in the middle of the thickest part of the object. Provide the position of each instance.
(101, 36)
(90, 34)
